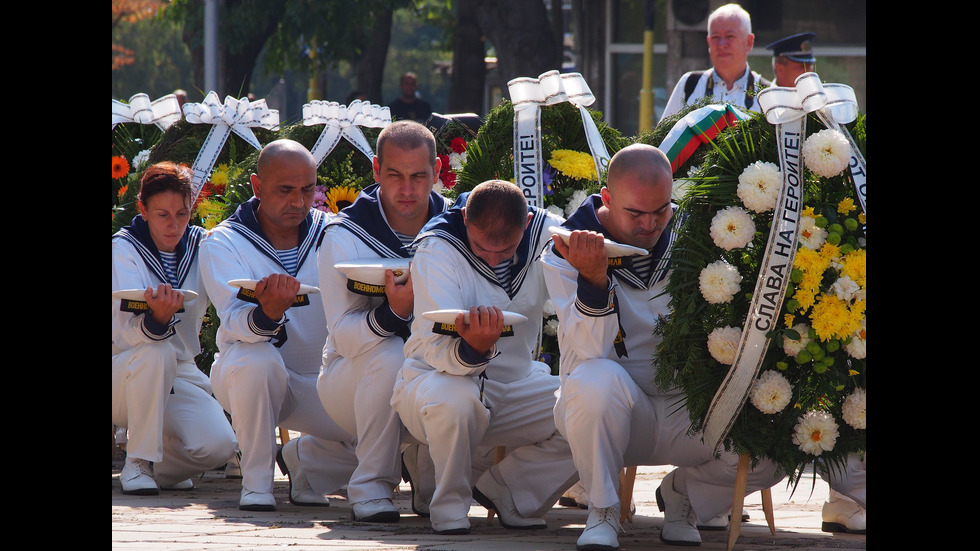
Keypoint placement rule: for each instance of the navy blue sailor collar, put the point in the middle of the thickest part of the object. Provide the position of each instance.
(366, 221)
(245, 223)
(585, 218)
(138, 234)
(450, 227)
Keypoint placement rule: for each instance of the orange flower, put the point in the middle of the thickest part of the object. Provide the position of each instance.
(122, 191)
(120, 167)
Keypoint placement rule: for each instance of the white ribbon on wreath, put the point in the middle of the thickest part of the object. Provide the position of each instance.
(528, 96)
(162, 112)
(344, 121)
(787, 109)
(834, 104)
(234, 115)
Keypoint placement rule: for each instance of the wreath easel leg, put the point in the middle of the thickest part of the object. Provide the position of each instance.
(741, 482)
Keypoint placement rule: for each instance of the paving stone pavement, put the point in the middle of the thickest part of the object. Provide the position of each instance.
(208, 517)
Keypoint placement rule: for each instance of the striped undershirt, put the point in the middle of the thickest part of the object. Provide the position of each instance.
(289, 258)
(169, 261)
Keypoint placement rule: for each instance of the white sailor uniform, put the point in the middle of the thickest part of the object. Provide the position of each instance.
(364, 347)
(158, 392)
(264, 373)
(454, 400)
(609, 408)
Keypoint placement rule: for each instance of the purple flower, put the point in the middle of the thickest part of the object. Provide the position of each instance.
(548, 176)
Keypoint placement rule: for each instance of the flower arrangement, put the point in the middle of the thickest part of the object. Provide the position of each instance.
(808, 401)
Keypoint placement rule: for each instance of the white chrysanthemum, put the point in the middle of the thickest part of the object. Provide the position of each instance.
(732, 228)
(827, 153)
(792, 347)
(758, 186)
(815, 432)
(549, 308)
(857, 348)
(574, 201)
(557, 211)
(771, 392)
(811, 236)
(722, 343)
(457, 160)
(140, 158)
(854, 409)
(719, 281)
(551, 328)
(845, 288)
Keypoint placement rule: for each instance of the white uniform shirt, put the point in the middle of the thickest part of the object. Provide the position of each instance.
(136, 266)
(590, 319)
(236, 249)
(447, 275)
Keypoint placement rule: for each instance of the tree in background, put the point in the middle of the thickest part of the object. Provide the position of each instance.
(130, 11)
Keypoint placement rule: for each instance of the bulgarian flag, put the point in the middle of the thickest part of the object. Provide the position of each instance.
(697, 127)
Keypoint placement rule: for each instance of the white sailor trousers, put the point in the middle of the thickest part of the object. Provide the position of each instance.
(610, 423)
(445, 412)
(356, 393)
(253, 384)
(173, 420)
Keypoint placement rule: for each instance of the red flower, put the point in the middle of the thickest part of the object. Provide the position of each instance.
(448, 180)
(458, 145)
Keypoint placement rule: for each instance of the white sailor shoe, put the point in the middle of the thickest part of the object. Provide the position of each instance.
(300, 491)
(374, 510)
(136, 478)
(679, 519)
(602, 530)
(452, 528)
(256, 501)
(181, 486)
(494, 495)
(721, 521)
(842, 514)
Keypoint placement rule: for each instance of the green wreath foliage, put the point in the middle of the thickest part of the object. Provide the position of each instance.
(491, 154)
(683, 360)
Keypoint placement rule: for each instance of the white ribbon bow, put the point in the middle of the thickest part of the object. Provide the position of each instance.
(528, 95)
(162, 112)
(235, 115)
(782, 104)
(343, 121)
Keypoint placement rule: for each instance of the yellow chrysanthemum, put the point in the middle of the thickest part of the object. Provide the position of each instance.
(855, 266)
(846, 206)
(808, 211)
(220, 176)
(574, 164)
(862, 218)
(805, 298)
(829, 251)
(806, 259)
(831, 318)
(788, 320)
(340, 197)
(210, 212)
